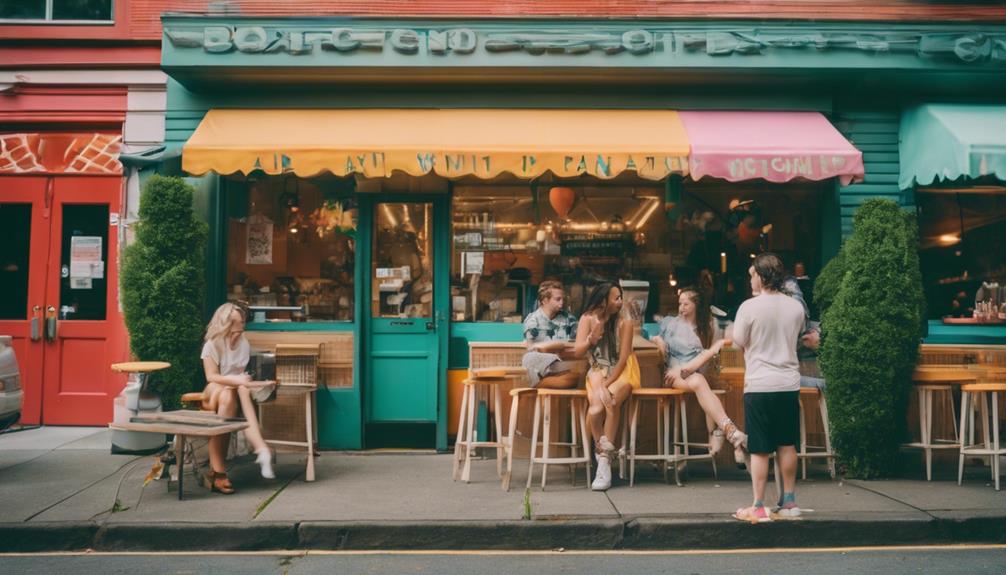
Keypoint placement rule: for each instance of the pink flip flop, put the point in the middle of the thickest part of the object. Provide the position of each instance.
(753, 515)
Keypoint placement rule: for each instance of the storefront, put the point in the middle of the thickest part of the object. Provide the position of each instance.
(401, 188)
(954, 160)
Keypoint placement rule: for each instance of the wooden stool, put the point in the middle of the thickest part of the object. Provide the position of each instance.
(989, 447)
(686, 456)
(509, 441)
(803, 455)
(927, 382)
(467, 441)
(543, 418)
(667, 399)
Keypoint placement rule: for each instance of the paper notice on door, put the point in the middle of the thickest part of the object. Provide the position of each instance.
(85, 260)
(95, 270)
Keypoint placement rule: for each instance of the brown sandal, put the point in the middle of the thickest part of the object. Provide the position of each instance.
(218, 482)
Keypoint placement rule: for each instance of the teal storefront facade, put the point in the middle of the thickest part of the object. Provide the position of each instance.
(862, 77)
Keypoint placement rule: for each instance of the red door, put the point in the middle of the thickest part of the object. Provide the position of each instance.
(24, 257)
(71, 288)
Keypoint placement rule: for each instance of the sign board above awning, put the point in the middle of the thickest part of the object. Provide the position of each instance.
(450, 143)
(944, 142)
(773, 146)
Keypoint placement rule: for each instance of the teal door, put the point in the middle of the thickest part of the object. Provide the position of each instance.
(406, 325)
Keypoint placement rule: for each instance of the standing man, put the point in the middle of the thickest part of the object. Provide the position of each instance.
(549, 333)
(767, 327)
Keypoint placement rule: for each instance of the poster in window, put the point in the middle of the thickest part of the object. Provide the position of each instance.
(259, 240)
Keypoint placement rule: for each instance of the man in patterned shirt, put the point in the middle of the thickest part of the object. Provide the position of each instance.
(549, 333)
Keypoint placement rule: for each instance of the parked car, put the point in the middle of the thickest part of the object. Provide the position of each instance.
(10, 384)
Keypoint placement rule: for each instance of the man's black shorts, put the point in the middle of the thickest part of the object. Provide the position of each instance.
(772, 419)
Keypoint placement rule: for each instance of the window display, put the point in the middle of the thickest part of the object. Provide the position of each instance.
(291, 248)
(962, 253)
(508, 238)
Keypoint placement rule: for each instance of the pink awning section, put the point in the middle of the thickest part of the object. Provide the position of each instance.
(774, 146)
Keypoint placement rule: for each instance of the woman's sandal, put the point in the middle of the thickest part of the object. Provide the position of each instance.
(753, 515)
(716, 441)
(738, 439)
(218, 482)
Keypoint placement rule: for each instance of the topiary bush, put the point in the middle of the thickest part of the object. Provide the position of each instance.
(828, 281)
(163, 287)
(870, 338)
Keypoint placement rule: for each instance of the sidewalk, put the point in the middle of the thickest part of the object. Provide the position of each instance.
(60, 489)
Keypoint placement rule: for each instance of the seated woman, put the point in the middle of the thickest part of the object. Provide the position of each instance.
(549, 332)
(225, 356)
(614, 371)
(686, 342)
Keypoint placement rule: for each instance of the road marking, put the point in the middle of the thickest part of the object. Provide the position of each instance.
(508, 553)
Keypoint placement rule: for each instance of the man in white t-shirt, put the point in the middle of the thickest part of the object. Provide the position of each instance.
(768, 327)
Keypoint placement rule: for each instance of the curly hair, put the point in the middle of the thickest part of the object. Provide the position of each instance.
(545, 289)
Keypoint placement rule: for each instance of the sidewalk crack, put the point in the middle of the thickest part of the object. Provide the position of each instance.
(886, 496)
(275, 494)
(83, 489)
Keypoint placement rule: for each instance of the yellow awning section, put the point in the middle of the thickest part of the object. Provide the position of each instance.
(451, 143)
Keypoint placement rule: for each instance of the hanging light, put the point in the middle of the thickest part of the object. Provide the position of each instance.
(561, 198)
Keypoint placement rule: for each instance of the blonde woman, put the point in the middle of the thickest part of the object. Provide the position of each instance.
(613, 374)
(228, 387)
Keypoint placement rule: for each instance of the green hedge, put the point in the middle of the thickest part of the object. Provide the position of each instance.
(163, 287)
(870, 337)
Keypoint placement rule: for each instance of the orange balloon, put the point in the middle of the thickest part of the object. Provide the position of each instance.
(561, 199)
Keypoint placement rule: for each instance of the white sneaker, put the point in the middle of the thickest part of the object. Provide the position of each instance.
(264, 460)
(602, 479)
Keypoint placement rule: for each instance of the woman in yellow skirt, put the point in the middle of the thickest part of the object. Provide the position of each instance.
(613, 374)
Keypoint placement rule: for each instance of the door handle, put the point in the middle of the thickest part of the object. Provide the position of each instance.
(50, 323)
(36, 323)
(431, 326)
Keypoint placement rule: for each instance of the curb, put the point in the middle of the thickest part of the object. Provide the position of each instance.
(463, 535)
(570, 534)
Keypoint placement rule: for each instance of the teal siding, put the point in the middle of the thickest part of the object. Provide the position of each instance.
(875, 133)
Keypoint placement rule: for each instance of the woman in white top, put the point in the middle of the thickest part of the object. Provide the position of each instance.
(225, 356)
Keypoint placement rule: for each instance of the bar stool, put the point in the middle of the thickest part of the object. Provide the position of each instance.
(989, 447)
(927, 382)
(577, 399)
(668, 452)
(803, 455)
(687, 456)
(467, 441)
(509, 442)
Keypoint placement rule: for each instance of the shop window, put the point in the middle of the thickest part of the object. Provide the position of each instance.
(505, 243)
(291, 248)
(57, 10)
(962, 253)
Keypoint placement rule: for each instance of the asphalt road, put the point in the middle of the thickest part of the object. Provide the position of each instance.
(945, 560)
